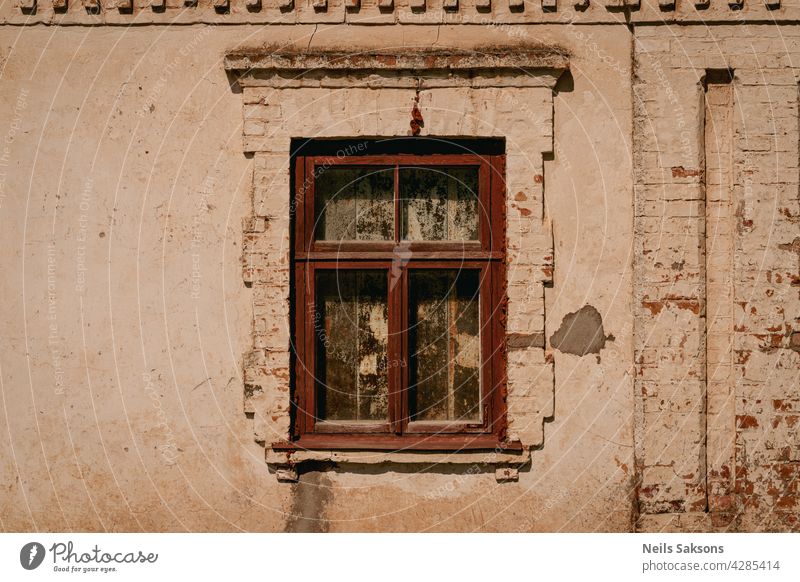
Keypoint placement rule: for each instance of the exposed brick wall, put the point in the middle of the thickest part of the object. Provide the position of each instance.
(681, 192)
(669, 296)
(720, 405)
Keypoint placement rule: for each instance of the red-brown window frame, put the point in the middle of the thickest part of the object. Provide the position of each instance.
(487, 255)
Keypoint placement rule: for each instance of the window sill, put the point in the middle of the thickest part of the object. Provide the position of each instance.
(373, 442)
(284, 459)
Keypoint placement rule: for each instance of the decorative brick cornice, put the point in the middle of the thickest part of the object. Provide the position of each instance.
(532, 66)
(127, 12)
(537, 57)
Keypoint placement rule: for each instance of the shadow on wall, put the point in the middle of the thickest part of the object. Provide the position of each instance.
(310, 496)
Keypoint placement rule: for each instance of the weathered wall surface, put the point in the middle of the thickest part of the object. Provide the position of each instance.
(124, 319)
(124, 189)
(138, 167)
(716, 277)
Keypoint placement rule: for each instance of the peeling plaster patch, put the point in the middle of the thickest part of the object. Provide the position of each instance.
(417, 122)
(516, 341)
(681, 172)
(581, 333)
(794, 341)
(311, 496)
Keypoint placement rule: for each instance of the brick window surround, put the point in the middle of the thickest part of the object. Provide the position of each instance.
(296, 97)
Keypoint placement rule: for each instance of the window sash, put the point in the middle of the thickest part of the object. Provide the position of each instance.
(399, 421)
(306, 245)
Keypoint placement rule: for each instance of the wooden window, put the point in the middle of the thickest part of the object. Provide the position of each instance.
(398, 298)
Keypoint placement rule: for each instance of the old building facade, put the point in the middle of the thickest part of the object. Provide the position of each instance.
(636, 215)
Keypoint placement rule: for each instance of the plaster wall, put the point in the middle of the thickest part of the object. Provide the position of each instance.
(127, 319)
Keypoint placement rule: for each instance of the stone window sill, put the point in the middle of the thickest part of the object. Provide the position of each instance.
(506, 461)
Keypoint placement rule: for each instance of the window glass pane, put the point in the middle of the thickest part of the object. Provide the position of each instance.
(440, 203)
(444, 345)
(352, 332)
(354, 203)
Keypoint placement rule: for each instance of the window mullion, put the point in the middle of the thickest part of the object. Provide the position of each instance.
(403, 363)
(397, 225)
(396, 325)
(395, 348)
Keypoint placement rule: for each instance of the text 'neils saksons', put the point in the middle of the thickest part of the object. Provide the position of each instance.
(664, 548)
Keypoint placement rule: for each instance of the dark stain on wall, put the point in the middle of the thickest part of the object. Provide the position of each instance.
(581, 333)
(311, 495)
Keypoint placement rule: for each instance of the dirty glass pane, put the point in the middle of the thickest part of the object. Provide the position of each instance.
(444, 345)
(351, 328)
(439, 203)
(354, 203)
